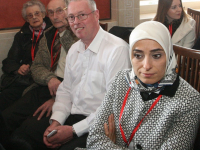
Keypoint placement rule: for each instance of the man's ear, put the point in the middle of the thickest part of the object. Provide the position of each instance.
(97, 14)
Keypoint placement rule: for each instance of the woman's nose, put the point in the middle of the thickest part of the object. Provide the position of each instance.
(147, 64)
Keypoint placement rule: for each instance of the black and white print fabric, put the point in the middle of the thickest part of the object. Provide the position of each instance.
(171, 125)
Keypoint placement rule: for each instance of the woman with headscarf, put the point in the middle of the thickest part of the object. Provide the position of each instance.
(180, 25)
(153, 108)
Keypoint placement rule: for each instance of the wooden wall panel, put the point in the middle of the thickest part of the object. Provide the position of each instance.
(104, 8)
(10, 12)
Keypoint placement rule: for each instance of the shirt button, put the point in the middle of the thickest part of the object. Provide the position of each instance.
(138, 146)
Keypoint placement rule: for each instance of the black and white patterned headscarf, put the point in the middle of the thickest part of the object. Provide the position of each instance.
(158, 32)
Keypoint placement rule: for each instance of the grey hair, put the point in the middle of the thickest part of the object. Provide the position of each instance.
(65, 1)
(92, 4)
(33, 3)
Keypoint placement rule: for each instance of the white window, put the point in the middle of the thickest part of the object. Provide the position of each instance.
(148, 2)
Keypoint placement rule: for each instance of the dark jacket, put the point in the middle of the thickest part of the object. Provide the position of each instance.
(20, 52)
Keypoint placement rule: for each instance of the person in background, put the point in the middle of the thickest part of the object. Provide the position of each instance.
(180, 25)
(47, 72)
(16, 67)
(91, 64)
(149, 106)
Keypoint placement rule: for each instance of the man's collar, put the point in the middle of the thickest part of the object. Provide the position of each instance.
(95, 44)
(62, 33)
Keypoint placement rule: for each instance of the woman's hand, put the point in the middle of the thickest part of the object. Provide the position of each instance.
(110, 128)
(24, 69)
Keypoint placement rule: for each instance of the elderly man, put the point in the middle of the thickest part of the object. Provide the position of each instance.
(91, 64)
(47, 71)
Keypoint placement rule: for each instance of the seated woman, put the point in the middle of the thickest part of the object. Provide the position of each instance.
(181, 26)
(16, 66)
(153, 108)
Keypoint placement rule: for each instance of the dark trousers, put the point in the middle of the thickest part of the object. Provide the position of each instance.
(24, 108)
(10, 143)
(32, 131)
(10, 95)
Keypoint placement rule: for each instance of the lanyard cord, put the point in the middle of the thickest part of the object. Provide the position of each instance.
(53, 60)
(33, 47)
(137, 127)
(170, 29)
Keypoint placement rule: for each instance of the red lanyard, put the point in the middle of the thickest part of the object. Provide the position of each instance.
(137, 127)
(33, 47)
(170, 29)
(53, 60)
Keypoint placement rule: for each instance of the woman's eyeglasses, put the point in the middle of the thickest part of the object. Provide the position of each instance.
(36, 14)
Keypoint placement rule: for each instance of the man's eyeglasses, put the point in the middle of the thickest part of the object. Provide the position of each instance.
(36, 14)
(57, 11)
(71, 18)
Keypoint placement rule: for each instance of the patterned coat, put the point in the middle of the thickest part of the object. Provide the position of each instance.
(171, 125)
(41, 67)
(42, 64)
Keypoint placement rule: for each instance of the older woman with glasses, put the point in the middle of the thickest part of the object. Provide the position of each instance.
(153, 108)
(16, 66)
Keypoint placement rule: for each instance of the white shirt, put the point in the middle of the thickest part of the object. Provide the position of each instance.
(88, 75)
(61, 62)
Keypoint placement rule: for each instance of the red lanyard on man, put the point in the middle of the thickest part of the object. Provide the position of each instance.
(137, 127)
(33, 47)
(170, 29)
(53, 59)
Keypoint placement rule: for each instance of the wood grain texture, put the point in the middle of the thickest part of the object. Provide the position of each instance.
(10, 12)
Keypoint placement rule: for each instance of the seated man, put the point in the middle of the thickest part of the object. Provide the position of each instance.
(47, 69)
(16, 66)
(91, 65)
